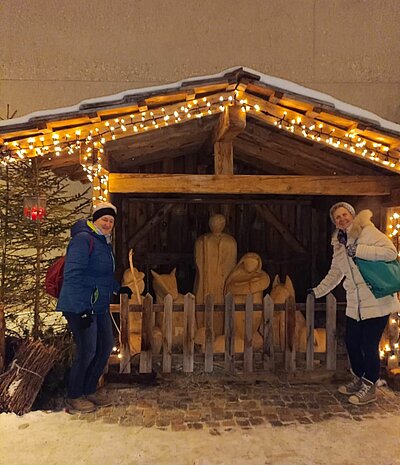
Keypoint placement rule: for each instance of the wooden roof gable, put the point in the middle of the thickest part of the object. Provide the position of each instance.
(282, 129)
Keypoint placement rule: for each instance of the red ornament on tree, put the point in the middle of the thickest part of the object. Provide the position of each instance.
(35, 208)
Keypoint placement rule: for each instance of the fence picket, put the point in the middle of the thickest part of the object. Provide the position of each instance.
(167, 334)
(248, 335)
(229, 333)
(188, 333)
(330, 332)
(209, 338)
(268, 334)
(146, 354)
(290, 332)
(310, 310)
(124, 364)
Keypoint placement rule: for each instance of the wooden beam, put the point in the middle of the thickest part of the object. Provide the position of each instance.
(223, 158)
(275, 97)
(251, 184)
(231, 123)
(267, 215)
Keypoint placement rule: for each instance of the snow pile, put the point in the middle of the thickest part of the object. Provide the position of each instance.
(57, 438)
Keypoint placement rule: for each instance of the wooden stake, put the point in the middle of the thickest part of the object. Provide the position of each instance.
(139, 300)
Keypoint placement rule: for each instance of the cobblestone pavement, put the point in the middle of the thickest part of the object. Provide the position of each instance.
(180, 403)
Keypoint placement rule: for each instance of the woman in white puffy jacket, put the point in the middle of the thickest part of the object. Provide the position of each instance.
(366, 316)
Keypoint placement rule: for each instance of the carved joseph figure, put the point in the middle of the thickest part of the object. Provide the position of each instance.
(215, 256)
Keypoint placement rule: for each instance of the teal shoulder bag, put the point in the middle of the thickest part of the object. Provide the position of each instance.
(383, 278)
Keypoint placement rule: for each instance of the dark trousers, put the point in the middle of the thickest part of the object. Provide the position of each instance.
(362, 342)
(93, 347)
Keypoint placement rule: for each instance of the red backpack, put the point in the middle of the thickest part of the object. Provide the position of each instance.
(55, 275)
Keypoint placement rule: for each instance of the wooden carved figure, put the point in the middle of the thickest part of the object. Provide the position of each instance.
(215, 256)
(164, 284)
(248, 278)
(134, 279)
(279, 293)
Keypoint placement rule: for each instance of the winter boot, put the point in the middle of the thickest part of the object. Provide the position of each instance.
(352, 387)
(100, 399)
(79, 405)
(365, 395)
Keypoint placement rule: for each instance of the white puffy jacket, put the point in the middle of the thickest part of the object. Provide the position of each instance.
(372, 244)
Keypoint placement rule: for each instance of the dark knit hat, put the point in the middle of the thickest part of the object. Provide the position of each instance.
(104, 208)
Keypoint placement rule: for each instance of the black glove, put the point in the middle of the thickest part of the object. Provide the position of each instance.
(351, 250)
(310, 291)
(86, 319)
(126, 290)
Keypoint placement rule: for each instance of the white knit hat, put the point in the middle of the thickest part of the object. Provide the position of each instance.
(104, 208)
(345, 205)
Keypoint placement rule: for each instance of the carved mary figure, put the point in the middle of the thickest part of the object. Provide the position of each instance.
(247, 278)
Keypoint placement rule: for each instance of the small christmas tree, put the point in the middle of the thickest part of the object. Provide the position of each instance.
(28, 246)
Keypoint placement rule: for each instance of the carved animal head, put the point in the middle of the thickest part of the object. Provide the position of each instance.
(129, 280)
(281, 291)
(165, 284)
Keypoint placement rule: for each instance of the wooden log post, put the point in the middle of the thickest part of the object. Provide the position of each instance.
(268, 334)
(125, 361)
(310, 317)
(331, 311)
(290, 332)
(167, 334)
(231, 123)
(229, 333)
(146, 354)
(223, 158)
(248, 335)
(188, 332)
(208, 320)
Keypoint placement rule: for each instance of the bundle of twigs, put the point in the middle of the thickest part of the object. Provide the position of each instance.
(20, 384)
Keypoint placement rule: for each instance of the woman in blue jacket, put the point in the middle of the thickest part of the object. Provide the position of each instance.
(84, 301)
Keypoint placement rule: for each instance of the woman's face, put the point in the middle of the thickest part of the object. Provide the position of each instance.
(105, 224)
(343, 218)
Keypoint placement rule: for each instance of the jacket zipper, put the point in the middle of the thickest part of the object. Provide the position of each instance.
(354, 281)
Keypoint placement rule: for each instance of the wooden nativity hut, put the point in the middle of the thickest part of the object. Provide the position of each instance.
(269, 155)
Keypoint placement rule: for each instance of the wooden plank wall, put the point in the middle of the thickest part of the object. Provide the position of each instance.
(170, 242)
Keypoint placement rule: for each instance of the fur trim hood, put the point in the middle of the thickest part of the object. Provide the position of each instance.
(361, 221)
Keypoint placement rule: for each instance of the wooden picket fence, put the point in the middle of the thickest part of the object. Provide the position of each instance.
(189, 309)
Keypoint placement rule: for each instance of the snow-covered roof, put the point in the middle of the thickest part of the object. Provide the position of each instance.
(287, 87)
(120, 121)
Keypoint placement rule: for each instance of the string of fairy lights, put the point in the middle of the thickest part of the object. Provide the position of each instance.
(89, 140)
(89, 143)
(390, 350)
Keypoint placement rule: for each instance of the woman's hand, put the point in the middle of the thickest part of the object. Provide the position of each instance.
(351, 250)
(310, 291)
(126, 290)
(86, 319)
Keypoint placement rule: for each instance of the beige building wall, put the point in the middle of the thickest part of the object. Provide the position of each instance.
(55, 53)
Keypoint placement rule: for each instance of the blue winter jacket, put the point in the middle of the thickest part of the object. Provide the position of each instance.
(88, 273)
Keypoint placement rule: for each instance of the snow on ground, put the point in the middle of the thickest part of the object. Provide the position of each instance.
(61, 439)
